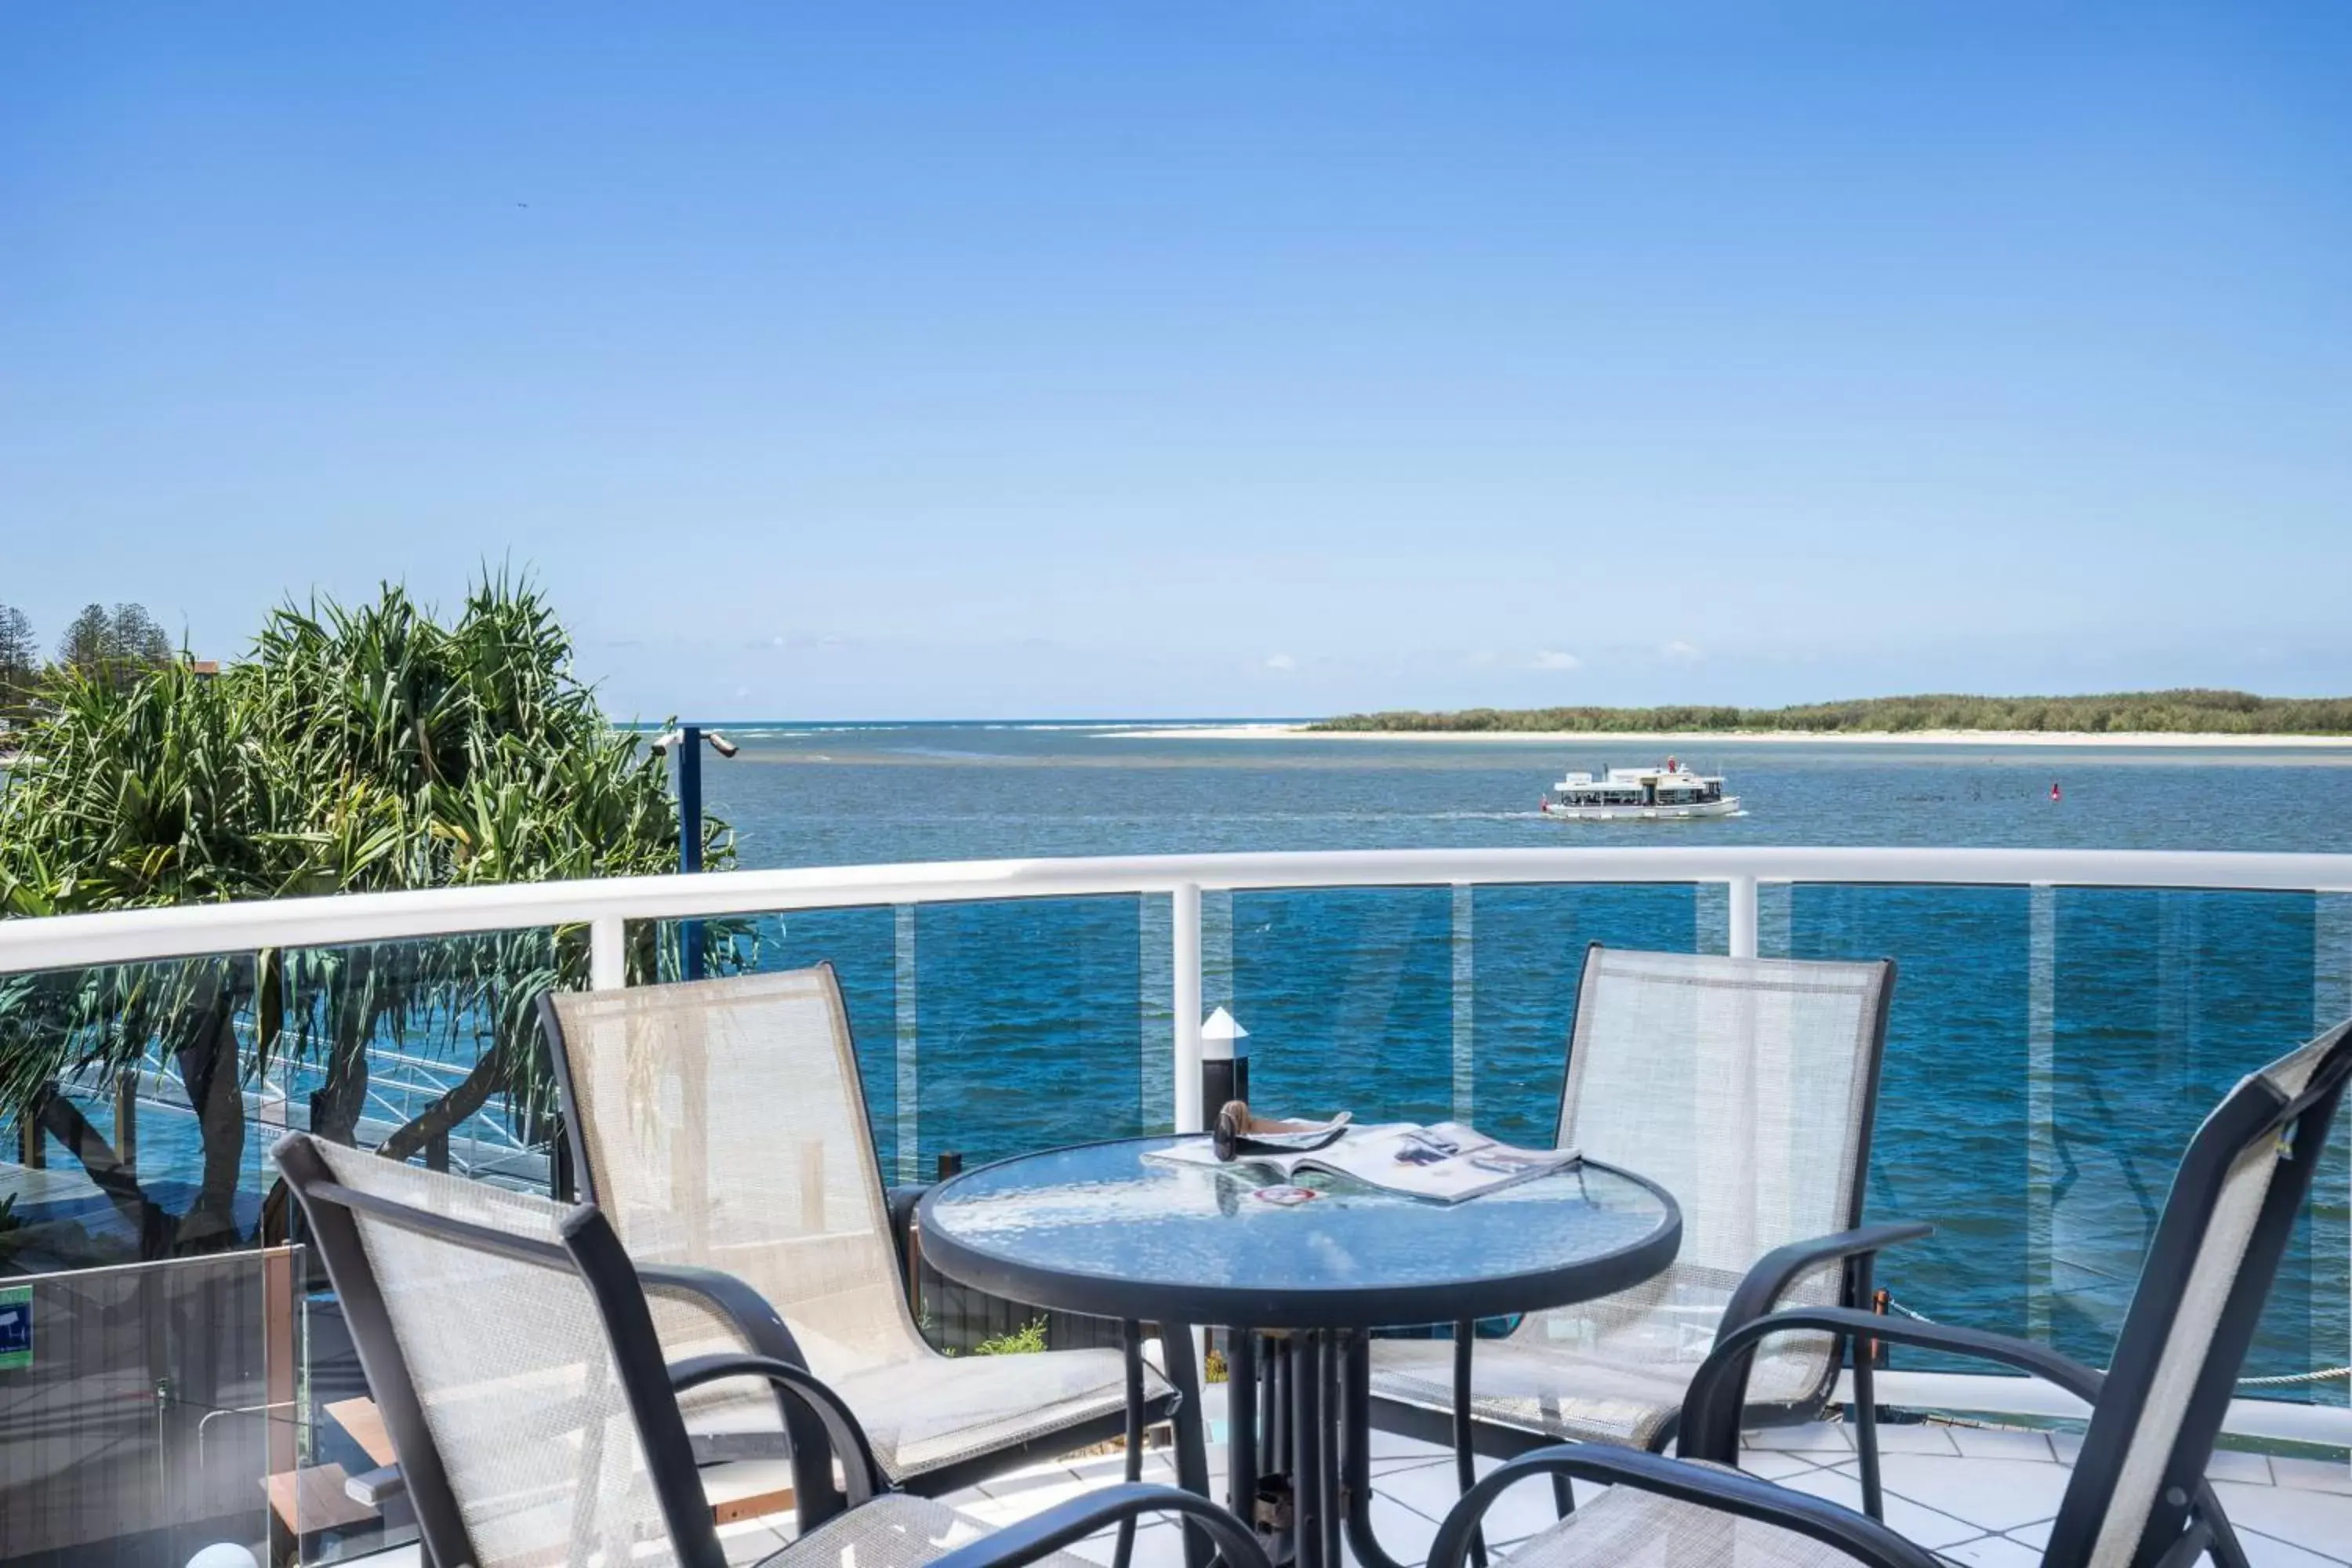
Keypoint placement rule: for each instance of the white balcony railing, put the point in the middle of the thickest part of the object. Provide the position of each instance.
(606, 907)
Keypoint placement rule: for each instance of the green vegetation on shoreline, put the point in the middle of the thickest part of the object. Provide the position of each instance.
(2185, 712)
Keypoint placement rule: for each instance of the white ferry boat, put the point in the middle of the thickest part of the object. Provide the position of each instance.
(1640, 794)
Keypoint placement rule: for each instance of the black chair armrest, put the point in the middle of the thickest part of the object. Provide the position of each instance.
(861, 1475)
(1723, 1491)
(756, 1324)
(1771, 1275)
(1710, 1428)
(1057, 1527)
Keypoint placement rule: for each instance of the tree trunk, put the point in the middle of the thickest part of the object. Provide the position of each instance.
(209, 1068)
(336, 1104)
(446, 1111)
(64, 1120)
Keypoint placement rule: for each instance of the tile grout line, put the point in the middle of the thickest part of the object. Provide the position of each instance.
(2282, 1541)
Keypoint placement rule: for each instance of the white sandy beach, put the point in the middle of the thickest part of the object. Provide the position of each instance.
(1669, 739)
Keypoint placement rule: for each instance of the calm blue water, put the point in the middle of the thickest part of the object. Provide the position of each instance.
(1044, 1023)
(852, 795)
(2041, 1148)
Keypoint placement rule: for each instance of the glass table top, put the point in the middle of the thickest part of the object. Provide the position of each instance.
(1102, 1228)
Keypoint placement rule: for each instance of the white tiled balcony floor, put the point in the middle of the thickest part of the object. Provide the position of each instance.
(1976, 1496)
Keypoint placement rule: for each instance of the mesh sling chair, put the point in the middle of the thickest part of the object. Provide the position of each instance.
(721, 1124)
(1747, 1088)
(513, 1349)
(2137, 1498)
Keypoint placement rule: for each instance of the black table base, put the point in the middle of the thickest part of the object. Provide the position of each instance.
(1298, 1443)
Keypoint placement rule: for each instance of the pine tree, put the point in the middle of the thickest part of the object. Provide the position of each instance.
(88, 642)
(136, 640)
(117, 646)
(20, 660)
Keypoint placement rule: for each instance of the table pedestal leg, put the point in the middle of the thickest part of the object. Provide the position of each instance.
(1176, 1344)
(1334, 1349)
(1299, 1411)
(1309, 1440)
(1241, 1423)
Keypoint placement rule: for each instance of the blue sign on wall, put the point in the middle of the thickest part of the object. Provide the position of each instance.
(16, 1327)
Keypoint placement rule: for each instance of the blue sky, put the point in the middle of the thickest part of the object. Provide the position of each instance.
(1272, 358)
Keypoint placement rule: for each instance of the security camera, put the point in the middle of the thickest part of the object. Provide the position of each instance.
(720, 743)
(662, 742)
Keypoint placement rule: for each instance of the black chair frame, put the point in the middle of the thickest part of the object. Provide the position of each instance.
(823, 1428)
(2185, 1521)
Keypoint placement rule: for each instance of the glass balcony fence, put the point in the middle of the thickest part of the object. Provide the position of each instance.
(2050, 1049)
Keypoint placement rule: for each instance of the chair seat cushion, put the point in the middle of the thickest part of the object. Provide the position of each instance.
(893, 1531)
(1562, 1390)
(1623, 1528)
(927, 1413)
(1535, 1389)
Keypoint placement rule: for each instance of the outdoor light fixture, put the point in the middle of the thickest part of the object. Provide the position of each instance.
(719, 743)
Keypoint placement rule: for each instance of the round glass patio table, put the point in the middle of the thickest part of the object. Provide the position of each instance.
(1103, 1228)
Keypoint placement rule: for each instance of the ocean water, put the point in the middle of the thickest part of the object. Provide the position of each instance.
(853, 793)
(2049, 1052)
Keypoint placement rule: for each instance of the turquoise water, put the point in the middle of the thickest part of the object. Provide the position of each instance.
(2043, 1155)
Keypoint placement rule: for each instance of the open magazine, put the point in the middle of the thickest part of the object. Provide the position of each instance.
(1448, 1162)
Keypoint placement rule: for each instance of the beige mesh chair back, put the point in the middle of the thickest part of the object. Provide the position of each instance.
(516, 1353)
(2137, 1497)
(721, 1124)
(488, 1354)
(1745, 1087)
(1748, 1089)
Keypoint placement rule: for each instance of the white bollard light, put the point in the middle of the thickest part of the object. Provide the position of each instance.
(223, 1554)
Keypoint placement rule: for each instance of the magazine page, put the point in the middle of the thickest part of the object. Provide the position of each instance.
(1448, 1162)
(1199, 1151)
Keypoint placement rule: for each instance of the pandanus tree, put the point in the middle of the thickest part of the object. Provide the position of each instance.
(354, 751)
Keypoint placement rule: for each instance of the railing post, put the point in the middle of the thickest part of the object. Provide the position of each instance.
(608, 963)
(1466, 1004)
(2043, 1163)
(1184, 947)
(907, 1043)
(1742, 932)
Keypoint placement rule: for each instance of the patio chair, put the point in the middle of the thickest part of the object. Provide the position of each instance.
(1747, 1088)
(513, 1349)
(721, 1124)
(2137, 1497)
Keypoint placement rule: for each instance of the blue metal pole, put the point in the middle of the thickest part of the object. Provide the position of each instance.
(689, 841)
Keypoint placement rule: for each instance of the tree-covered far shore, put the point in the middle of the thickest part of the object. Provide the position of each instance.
(2183, 713)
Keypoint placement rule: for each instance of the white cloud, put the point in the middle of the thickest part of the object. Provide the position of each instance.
(1281, 661)
(1679, 652)
(1551, 658)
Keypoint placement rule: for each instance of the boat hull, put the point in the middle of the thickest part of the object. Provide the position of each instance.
(1728, 806)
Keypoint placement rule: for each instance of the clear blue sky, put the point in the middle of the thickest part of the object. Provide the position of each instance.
(1263, 358)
